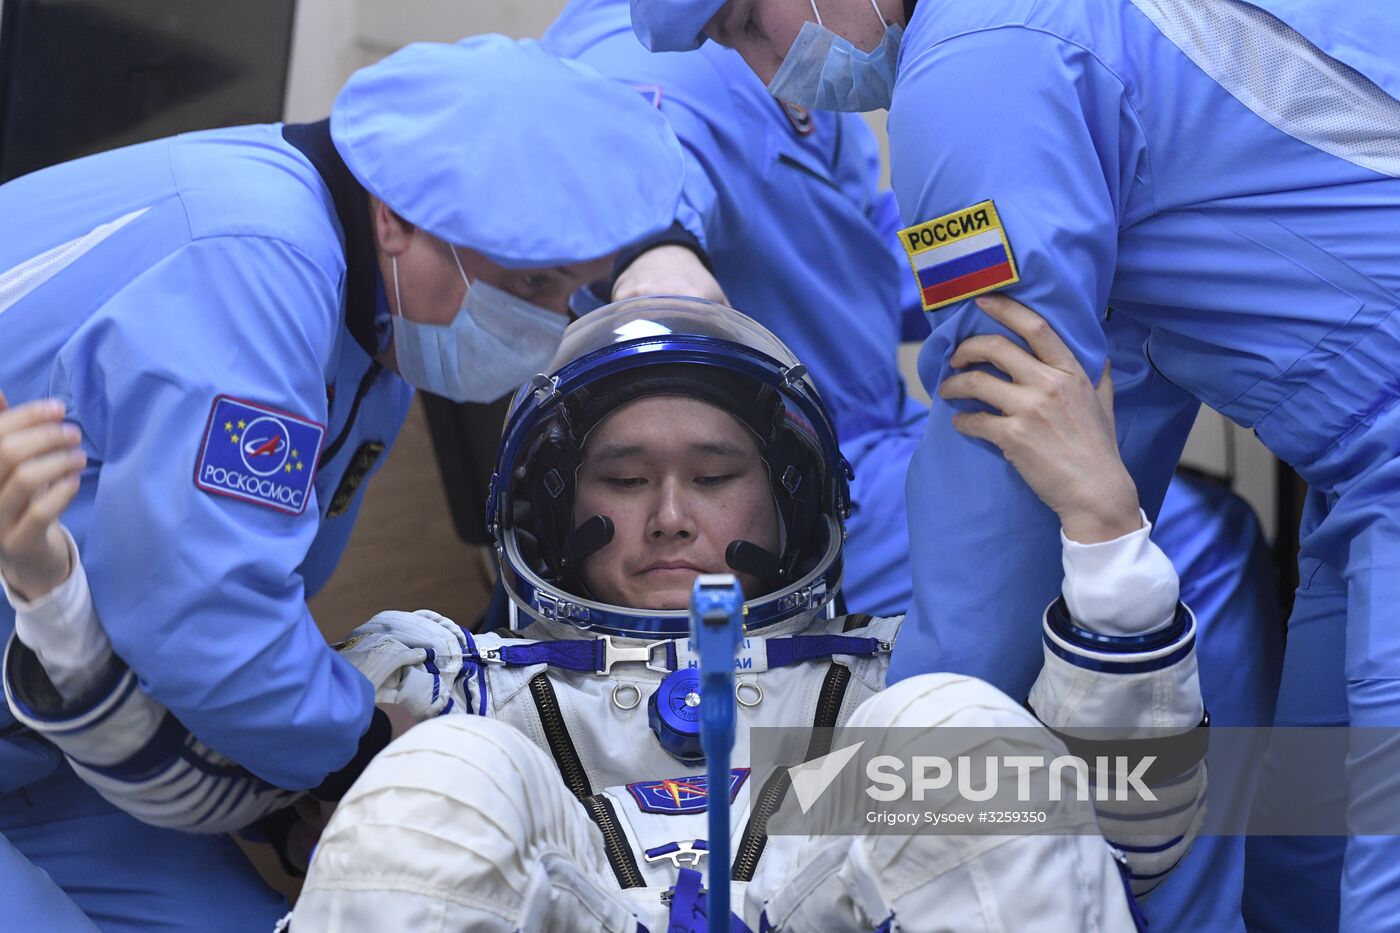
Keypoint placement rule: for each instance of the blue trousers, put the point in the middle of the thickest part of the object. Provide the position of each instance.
(1340, 669)
(70, 861)
(1293, 883)
(32, 900)
(1213, 539)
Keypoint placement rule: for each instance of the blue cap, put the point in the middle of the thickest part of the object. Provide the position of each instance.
(498, 146)
(673, 712)
(672, 25)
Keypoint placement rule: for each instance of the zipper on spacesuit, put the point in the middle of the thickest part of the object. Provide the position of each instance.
(556, 733)
(856, 620)
(833, 692)
(619, 851)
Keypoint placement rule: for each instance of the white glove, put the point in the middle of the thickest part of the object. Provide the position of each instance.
(413, 659)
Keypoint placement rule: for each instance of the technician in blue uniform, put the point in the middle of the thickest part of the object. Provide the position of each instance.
(233, 321)
(1224, 174)
(786, 208)
(785, 203)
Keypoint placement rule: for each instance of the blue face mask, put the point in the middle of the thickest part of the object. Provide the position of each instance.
(823, 71)
(496, 342)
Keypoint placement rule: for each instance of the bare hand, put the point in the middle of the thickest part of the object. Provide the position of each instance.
(1054, 426)
(312, 817)
(40, 466)
(668, 270)
(401, 719)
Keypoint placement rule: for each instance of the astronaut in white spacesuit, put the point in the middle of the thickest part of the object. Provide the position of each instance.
(673, 439)
(554, 781)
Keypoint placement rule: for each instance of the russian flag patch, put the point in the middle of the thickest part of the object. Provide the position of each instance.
(960, 255)
(259, 454)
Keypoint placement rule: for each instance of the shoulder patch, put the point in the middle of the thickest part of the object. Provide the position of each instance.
(259, 455)
(682, 795)
(960, 255)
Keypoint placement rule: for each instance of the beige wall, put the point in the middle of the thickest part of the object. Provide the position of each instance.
(1221, 447)
(334, 37)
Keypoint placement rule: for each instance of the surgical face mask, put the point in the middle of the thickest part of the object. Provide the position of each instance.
(823, 71)
(495, 343)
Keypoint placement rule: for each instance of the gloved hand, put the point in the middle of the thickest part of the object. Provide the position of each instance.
(413, 659)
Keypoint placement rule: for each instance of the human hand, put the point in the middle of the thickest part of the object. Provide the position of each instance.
(1054, 426)
(401, 718)
(40, 467)
(668, 270)
(314, 814)
(312, 818)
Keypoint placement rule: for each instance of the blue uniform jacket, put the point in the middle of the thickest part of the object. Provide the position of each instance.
(786, 206)
(1207, 181)
(143, 285)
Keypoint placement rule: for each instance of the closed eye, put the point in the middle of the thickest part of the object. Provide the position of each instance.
(624, 482)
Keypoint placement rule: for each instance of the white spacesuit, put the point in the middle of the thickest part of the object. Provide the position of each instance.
(555, 781)
(573, 797)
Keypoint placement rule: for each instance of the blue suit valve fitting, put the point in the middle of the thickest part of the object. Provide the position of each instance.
(674, 715)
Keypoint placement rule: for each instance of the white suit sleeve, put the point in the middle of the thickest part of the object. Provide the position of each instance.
(1120, 664)
(143, 760)
(61, 627)
(133, 752)
(63, 681)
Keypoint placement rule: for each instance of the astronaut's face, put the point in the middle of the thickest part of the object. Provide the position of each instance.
(762, 31)
(680, 479)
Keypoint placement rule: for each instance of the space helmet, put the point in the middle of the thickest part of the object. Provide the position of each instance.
(652, 346)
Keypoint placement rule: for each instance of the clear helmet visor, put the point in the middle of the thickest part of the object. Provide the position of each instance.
(665, 345)
(661, 316)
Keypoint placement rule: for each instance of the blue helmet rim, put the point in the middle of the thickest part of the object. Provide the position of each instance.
(542, 601)
(544, 392)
